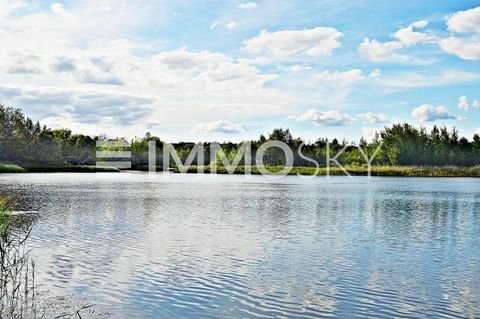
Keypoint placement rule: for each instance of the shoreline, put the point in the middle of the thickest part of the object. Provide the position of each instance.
(377, 171)
(17, 169)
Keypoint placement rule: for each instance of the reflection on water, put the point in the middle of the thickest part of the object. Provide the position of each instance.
(227, 247)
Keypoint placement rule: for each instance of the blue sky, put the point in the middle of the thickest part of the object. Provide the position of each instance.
(231, 70)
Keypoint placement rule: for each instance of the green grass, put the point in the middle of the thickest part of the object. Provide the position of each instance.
(400, 171)
(11, 168)
(5, 209)
(72, 169)
(18, 269)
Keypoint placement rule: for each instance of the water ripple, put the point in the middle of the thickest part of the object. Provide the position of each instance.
(227, 248)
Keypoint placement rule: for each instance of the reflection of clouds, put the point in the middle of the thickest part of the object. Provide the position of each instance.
(225, 247)
(464, 301)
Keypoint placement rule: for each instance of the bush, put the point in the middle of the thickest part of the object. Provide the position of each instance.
(11, 168)
(17, 279)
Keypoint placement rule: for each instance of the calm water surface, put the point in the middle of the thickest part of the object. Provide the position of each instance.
(229, 247)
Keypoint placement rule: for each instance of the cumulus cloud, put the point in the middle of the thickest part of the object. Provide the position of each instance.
(381, 51)
(320, 41)
(220, 127)
(416, 80)
(430, 113)
(346, 78)
(200, 83)
(85, 69)
(350, 76)
(409, 37)
(376, 51)
(98, 78)
(372, 118)
(463, 22)
(102, 73)
(476, 104)
(463, 103)
(63, 64)
(25, 64)
(464, 49)
(248, 5)
(55, 105)
(207, 70)
(327, 118)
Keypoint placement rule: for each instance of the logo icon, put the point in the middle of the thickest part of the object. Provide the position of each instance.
(114, 153)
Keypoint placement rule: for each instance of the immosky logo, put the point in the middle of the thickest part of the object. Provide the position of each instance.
(117, 154)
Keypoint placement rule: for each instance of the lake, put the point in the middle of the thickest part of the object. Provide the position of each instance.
(188, 246)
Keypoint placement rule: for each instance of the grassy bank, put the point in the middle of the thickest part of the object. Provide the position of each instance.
(71, 169)
(400, 171)
(11, 168)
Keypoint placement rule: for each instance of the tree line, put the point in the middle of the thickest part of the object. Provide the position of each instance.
(28, 143)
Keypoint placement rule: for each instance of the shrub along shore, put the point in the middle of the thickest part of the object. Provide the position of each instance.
(11, 168)
(397, 150)
(392, 171)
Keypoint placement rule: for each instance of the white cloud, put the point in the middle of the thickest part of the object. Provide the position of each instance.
(375, 74)
(320, 41)
(376, 51)
(90, 112)
(409, 37)
(248, 5)
(345, 77)
(464, 49)
(430, 113)
(58, 8)
(220, 127)
(465, 21)
(415, 80)
(213, 25)
(369, 133)
(463, 103)
(328, 118)
(93, 70)
(334, 87)
(380, 52)
(297, 67)
(372, 118)
(476, 104)
(18, 5)
(418, 25)
(25, 64)
(232, 25)
(91, 60)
